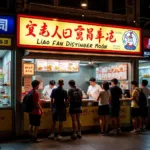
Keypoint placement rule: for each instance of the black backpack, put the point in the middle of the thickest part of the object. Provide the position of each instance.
(142, 99)
(28, 104)
(76, 99)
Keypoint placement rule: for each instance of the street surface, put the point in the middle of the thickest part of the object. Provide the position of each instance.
(88, 142)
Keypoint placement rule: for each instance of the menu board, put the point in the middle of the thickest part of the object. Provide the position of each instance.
(124, 85)
(108, 73)
(28, 69)
(41, 65)
(57, 66)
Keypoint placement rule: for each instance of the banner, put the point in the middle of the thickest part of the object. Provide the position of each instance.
(147, 43)
(50, 33)
(89, 117)
(7, 25)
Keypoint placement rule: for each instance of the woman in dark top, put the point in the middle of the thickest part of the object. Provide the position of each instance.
(75, 108)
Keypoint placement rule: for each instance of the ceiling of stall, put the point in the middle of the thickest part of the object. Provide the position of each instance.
(44, 54)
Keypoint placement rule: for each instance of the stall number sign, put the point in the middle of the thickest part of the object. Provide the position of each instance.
(38, 32)
(5, 42)
(28, 69)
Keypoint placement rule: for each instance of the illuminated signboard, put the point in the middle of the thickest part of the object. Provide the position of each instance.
(7, 25)
(109, 72)
(57, 65)
(147, 43)
(5, 42)
(48, 33)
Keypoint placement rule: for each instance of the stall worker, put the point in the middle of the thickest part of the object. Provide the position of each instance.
(48, 90)
(93, 90)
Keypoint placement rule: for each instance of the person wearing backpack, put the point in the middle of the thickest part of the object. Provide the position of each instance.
(75, 104)
(35, 114)
(144, 110)
(135, 107)
(103, 107)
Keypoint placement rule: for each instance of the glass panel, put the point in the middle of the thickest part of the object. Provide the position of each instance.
(5, 78)
(144, 71)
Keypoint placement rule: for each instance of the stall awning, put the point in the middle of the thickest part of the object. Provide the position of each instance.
(43, 54)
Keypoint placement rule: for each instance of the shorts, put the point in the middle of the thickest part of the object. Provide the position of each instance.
(59, 114)
(77, 110)
(115, 112)
(103, 110)
(144, 112)
(35, 120)
(135, 112)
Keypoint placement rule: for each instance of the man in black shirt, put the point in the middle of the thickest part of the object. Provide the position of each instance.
(58, 100)
(116, 94)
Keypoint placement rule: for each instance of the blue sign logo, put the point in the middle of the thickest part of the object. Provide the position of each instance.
(7, 25)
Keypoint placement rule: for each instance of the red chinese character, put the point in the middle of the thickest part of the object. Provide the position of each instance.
(31, 28)
(79, 32)
(99, 35)
(56, 32)
(90, 34)
(67, 33)
(110, 36)
(43, 31)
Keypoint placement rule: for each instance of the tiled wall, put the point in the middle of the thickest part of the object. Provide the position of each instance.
(81, 77)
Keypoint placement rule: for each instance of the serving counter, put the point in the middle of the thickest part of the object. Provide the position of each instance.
(89, 116)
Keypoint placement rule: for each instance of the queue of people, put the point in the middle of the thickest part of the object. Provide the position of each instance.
(108, 105)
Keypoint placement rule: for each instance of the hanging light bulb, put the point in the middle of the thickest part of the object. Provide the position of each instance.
(83, 3)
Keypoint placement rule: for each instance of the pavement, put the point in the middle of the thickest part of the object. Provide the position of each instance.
(125, 141)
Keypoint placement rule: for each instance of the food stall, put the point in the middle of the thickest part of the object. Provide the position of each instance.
(55, 49)
(7, 31)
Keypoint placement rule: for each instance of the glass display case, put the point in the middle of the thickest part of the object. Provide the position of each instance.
(144, 71)
(5, 79)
